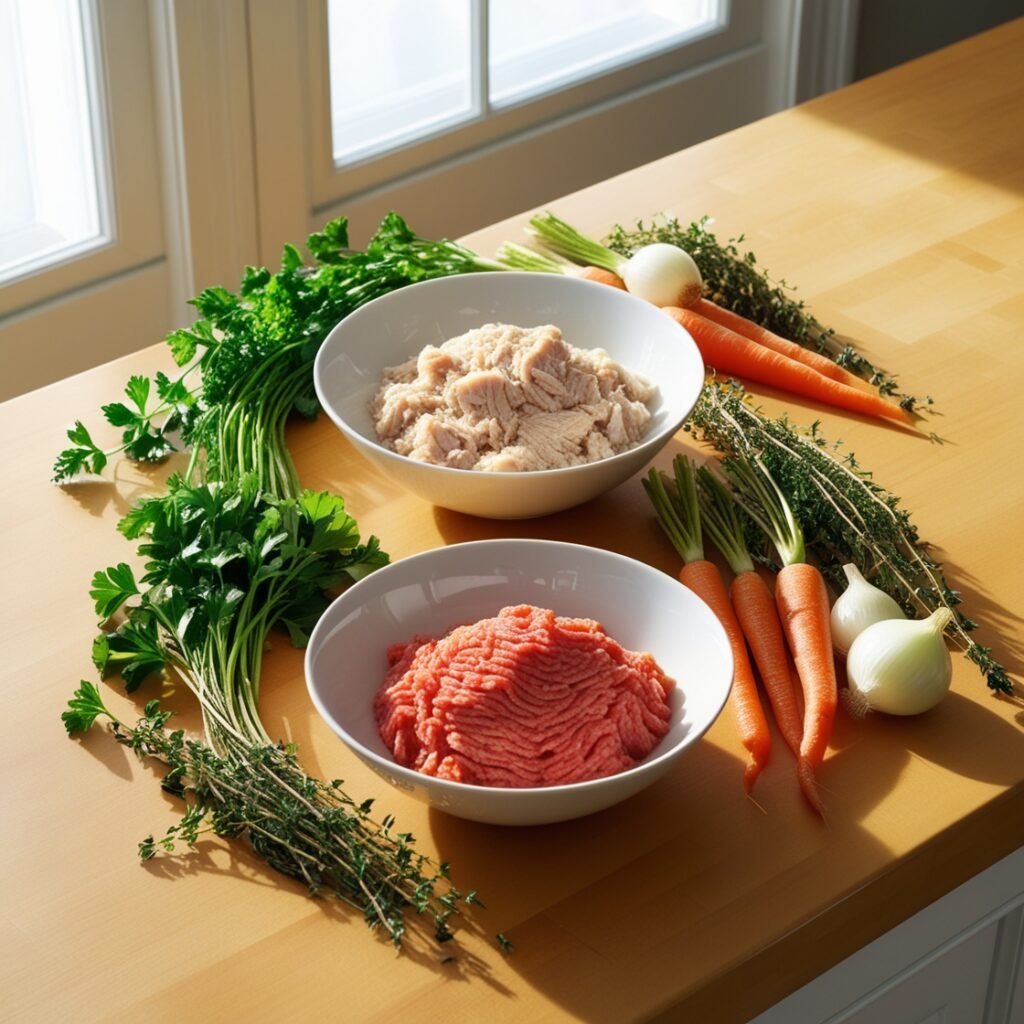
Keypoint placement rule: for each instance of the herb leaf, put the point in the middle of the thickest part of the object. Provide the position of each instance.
(84, 708)
(83, 455)
(111, 588)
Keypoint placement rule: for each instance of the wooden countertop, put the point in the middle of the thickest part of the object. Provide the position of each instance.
(898, 206)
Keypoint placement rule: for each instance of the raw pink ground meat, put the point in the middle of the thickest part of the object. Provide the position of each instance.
(526, 698)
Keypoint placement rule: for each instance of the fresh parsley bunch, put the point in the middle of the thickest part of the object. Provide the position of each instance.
(247, 361)
(235, 549)
(226, 564)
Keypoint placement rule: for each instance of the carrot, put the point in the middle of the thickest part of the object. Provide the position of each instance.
(762, 336)
(601, 276)
(729, 352)
(759, 619)
(704, 579)
(802, 602)
(679, 516)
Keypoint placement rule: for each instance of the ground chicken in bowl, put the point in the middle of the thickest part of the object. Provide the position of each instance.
(503, 398)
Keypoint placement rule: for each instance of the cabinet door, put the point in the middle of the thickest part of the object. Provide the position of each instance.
(949, 990)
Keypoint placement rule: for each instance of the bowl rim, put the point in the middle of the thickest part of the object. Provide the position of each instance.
(361, 440)
(448, 785)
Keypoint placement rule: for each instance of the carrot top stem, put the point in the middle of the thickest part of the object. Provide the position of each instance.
(556, 234)
(762, 500)
(721, 520)
(677, 508)
(525, 257)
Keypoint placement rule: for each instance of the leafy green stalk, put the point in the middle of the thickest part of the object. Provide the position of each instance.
(525, 257)
(845, 515)
(555, 234)
(677, 508)
(721, 520)
(762, 500)
(227, 562)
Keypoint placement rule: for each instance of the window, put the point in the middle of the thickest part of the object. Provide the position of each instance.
(51, 180)
(398, 71)
(83, 270)
(581, 38)
(401, 72)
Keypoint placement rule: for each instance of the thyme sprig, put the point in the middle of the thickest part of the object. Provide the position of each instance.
(226, 564)
(235, 549)
(305, 828)
(846, 516)
(734, 279)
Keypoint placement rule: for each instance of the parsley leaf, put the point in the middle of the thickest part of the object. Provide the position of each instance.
(84, 708)
(111, 588)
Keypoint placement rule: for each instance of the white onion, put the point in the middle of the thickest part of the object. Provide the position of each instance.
(900, 666)
(663, 274)
(860, 605)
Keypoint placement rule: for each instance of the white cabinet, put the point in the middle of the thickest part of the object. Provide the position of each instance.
(950, 989)
(958, 961)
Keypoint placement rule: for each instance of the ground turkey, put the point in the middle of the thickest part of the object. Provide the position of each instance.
(526, 698)
(506, 398)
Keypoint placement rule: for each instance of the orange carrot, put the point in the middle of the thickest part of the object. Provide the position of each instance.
(762, 336)
(758, 618)
(802, 602)
(679, 515)
(601, 276)
(704, 579)
(728, 352)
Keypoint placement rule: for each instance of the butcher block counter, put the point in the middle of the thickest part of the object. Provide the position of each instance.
(897, 204)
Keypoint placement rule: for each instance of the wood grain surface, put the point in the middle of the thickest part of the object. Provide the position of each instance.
(898, 206)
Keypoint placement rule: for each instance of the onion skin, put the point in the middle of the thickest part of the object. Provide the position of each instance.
(664, 275)
(860, 605)
(899, 666)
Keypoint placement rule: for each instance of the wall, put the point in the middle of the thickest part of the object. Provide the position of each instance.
(891, 32)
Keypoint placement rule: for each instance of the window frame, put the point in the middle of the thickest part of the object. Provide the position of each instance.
(739, 26)
(127, 158)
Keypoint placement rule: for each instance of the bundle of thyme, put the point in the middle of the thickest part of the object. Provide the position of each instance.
(307, 829)
(735, 280)
(226, 564)
(846, 516)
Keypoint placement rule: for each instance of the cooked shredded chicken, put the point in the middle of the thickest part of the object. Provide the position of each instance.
(509, 399)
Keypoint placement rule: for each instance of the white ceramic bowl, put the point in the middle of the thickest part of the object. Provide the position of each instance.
(397, 326)
(641, 607)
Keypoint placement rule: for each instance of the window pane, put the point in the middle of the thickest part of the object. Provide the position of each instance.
(49, 200)
(399, 69)
(537, 45)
